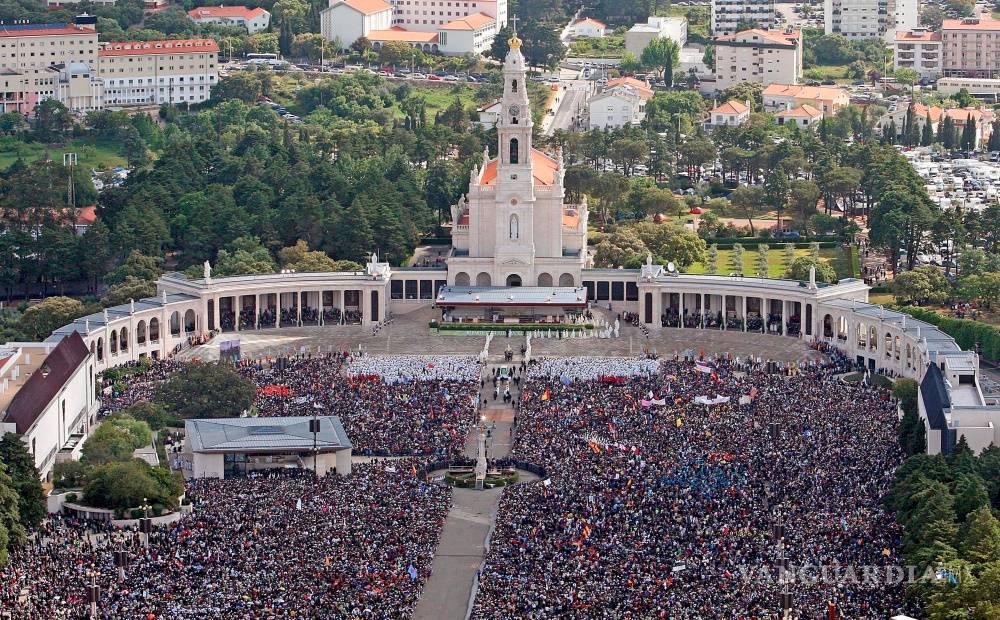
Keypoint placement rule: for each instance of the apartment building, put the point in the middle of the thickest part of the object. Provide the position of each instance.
(623, 102)
(920, 50)
(971, 47)
(430, 15)
(254, 20)
(784, 97)
(155, 72)
(867, 19)
(727, 15)
(31, 48)
(641, 35)
(758, 56)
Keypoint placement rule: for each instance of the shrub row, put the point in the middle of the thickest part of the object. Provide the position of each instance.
(966, 332)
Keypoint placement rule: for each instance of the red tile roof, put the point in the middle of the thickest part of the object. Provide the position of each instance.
(926, 35)
(44, 30)
(470, 22)
(643, 87)
(543, 168)
(805, 110)
(591, 20)
(971, 24)
(43, 385)
(85, 216)
(142, 48)
(400, 34)
(771, 36)
(367, 7)
(730, 107)
(205, 12)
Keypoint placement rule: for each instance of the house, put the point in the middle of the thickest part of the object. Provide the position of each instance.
(472, 34)
(804, 116)
(758, 56)
(640, 35)
(827, 99)
(346, 21)
(622, 103)
(983, 118)
(85, 218)
(920, 50)
(489, 114)
(588, 27)
(729, 114)
(254, 20)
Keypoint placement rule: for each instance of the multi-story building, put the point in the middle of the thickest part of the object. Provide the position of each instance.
(758, 56)
(429, 15)
(971, 47)
(16, 92)
(826, 99)
(920, 50)
(622, 103)
(728, 16)
(640, 35)
(254, 20)
(867, 19)
(31, 48)
(155, 72)
(729, 114)
(450, 27)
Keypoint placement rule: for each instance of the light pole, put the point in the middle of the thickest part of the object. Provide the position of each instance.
(93, 594)
(145, 524)
(314, 429)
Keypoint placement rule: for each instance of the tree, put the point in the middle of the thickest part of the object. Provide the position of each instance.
(907, 76)
(299, 258)
(131, 289)
(206, 391)
(52, 120)
(621, 249)
(662, 54)
(241, 85)
(776, 191)
(124, 485)
(20, 465)
(799, 269)
(969, 134)
(243, 256)
(395, 53)
(981, 542)
(762, 262)
(41, 319)
(152, 413)
(12, 532)
(749, 201)
(712, 259)
(136, 266)
(671, 243)
(115, 439)
(541, 45)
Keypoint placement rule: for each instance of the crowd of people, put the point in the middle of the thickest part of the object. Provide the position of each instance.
(389, 405)
(658, 507)
(590, 368)
(277, 545)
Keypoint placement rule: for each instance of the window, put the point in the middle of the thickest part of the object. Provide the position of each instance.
(513, 86)
(513, 151)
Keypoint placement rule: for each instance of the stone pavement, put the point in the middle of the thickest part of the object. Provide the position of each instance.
(460, 552)
(409, 334)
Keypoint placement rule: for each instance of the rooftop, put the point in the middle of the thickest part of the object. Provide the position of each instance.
(470, 22)
(769, 36)
(43, 385)
(368, 7)
(143, 48)
(730, 107)
(399, 34)
(805, 111)
(207, 12)
(543, 167)
(512, 296)
(917, 35)
(805, 92)
(43, 30)
(972, 23)
(265, 434)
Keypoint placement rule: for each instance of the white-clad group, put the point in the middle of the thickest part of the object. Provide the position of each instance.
(590, 368)
(402, 368)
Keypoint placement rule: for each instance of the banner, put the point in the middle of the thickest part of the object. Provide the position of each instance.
(658, 402)
(705, 400)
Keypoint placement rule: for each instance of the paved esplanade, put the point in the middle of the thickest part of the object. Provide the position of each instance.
(409, 334)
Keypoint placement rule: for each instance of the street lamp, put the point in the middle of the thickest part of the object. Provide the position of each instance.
(314, 429)
(93, 594)
(145, 524)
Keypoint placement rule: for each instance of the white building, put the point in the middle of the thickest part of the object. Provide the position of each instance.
(233, 447)
(623, 102)
(804, 116)
(729, 114)
(866, 19)
(920, 50)
(827, 99)
(489, 114)
(512, 229)
(467, 35)
(588, 27)
(640, 35)
(346, 21)
(758, 56)
(254, 20)
(727, 15)
(78, 87)
(156, 72)
(47, 397)
(429, 15)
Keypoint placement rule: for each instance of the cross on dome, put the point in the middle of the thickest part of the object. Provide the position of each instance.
(514, 42)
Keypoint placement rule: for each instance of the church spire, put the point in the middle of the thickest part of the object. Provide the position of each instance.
(514, 124)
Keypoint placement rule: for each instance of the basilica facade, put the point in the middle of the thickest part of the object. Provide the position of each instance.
(512, 227)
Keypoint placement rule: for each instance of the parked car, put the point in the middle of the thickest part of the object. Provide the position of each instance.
(435, 78)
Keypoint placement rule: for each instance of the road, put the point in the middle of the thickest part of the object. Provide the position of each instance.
(572, 106)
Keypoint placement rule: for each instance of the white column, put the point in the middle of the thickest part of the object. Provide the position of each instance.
(702, 310)
(680, 308)
(366, 307)
(744, 298)
(343, 305)
(321, 321)
(256, 311)
(298, 308)
(237, 301)
(277, 310)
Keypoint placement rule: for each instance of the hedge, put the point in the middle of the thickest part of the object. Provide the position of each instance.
(773, 244)
(502, 327)
(802, 242)
(966, 332)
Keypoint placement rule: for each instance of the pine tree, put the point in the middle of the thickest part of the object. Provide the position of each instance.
(994, 141)
(969, 134)
(712, 259)
(927, 136)
(762, 262)
(24, 479)
(947, 133)
(789, 253)
(12, 533)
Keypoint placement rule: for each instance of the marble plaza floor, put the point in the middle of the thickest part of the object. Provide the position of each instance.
(409, 334)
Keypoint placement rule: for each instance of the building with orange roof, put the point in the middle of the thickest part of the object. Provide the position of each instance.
(623, 102)
(254, 20)
(512, 228)
(971, 47)
(156, 72)
(588, 27)
(920, 50)
(804, 116)
(729, 114)
(827, 99)
(455, 31)
(758, 56)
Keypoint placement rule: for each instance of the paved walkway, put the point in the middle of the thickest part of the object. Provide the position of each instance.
(460, 552)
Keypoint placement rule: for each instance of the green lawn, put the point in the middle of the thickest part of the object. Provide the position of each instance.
(90, 153)
(440, 95)
(775, 262)
(612, 46)
(827, 72)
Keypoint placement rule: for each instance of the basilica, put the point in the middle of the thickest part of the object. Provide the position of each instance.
(512, 228)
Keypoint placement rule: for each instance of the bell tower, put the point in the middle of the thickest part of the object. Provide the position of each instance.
(515, 180)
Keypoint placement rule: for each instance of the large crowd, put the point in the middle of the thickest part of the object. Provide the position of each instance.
(268, 546)
(658, 507)
(389, 405)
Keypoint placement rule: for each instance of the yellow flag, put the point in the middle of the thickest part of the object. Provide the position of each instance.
(678, 422)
